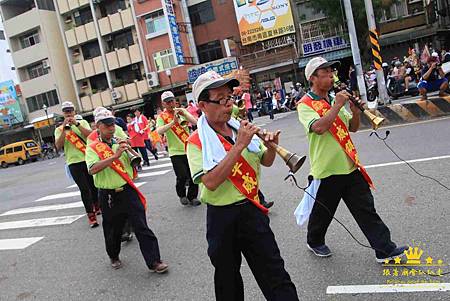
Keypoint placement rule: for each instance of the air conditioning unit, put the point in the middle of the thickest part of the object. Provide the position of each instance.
(135, 67)
(153, 79)
(45, 64)
(76, 14)
(115, 94)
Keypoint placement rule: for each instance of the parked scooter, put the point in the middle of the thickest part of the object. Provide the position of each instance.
(396, 88)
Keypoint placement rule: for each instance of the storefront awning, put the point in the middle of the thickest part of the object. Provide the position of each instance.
(408, 35)
(329, 56)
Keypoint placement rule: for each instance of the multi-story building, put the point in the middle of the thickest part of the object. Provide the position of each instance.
(104, 52)
(168, 46)
(412, 24)
(38, 54)
(319, 38)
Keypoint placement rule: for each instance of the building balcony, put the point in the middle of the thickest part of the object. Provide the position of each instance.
(29, 55)
(123, 57)
(80, 34)
(22, 23)
(132, 91)
(37, 85)
(120, 20)
(92, 101)
(68, 5)
(88, 68)
(403, 23)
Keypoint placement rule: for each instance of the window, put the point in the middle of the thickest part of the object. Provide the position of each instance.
(90, 50)
(210, 51)
(395, 11)
(2, 152)
(45, 4)
(164, 60)
(121, 40)
(18, 148)
(111, 7)
(36, 102)
(201, 13)
(2, 35)
(83, 16)
(36, 70)
(30, 144)
(9, 150)
(29, 39)
(156, 24)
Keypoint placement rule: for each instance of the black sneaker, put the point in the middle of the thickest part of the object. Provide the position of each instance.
(320, 251)
(116, 263)
(195, 202)
(184, 201)
(397, 252)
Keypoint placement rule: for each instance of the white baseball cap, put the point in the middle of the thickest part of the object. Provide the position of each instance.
(211, 80)
(318, 63)
(435, 54)
(67, 105)
(167, 96)
(103, 115)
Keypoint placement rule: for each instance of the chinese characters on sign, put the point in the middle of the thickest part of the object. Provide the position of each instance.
(175, 38)
(263, 19)
(222, 66)
(324, 45)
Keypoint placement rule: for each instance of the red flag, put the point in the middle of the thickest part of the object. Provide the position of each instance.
(425, 54)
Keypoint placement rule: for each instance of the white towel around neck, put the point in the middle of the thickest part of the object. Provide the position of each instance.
(212, 149)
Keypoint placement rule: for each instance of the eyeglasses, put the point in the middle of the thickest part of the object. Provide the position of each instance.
(222, 101)
(68, 110)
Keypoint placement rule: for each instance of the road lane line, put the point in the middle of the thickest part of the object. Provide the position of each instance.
(18, 243)
(58, 196)
(155, 173)
(72, 186)
(157, 166)
(409, 161)
(43, 208)
(40, 222)
(388, 288)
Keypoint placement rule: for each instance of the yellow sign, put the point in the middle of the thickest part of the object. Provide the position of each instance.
(260, 20)
(415, 269)
(43, 123)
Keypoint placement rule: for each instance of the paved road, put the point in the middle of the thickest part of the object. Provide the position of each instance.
(69, 261)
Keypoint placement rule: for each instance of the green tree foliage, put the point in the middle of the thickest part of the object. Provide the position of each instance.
(334, 10)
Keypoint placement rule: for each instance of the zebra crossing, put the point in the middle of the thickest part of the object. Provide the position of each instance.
(67, 199)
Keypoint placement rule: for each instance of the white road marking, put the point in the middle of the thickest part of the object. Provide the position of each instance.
(409, 161)
(43, 208)
(18, 243)
(72, 186)
(156, 173)
(388, 288)
(58, 196)
(157, 166)
(159, 160)
(40, 222)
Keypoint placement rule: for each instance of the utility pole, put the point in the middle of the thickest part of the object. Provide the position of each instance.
(377, 59)
(355, 49)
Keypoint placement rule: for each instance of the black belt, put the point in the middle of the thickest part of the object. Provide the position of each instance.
(116, 190)
(238, 203)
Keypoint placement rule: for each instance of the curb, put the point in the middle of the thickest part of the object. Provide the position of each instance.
(411, 112)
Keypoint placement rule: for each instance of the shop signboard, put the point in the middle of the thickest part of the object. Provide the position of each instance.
(174, 33)
(260, 20)
(10, 112)
(324, 45)
(221, 66)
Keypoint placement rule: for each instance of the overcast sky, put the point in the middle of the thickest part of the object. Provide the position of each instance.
(5, 59)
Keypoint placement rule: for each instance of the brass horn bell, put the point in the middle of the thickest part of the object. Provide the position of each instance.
(375, 120)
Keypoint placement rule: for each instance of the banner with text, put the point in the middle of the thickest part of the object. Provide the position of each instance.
(259, 20)
(221, 66)
(10, 112)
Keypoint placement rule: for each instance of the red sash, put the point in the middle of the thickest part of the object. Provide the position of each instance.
(243, 176)
(177, 129)
(104, 152)
(93, 136)
(76, 141)
(339, 132)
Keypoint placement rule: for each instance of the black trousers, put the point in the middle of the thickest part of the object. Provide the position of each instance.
(236, 229)
(183, 174)
(270, 108)
(85, 182)
(143, 152)
(149, 146)
(355, 192)
(116, 209)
